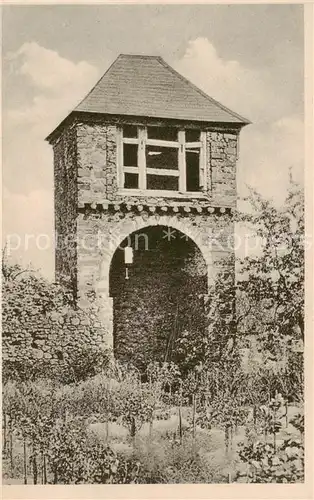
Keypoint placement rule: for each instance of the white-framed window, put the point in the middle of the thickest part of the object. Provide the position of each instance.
(156, 158)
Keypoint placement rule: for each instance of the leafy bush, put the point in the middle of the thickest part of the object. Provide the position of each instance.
(267, 464)
(76, 457)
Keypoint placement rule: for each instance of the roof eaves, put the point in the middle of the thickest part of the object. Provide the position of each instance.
(57, 131)
(243, 120)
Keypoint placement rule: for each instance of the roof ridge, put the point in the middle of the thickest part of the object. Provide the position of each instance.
(233, 113)
(140, 56)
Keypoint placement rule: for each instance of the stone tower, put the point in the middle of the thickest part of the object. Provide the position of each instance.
(147, 161)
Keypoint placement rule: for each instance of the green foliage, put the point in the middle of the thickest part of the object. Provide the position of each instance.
(272, 283)
(82, 362)
(48, 408)
(42, 311)
(264, 304)
(267, 464)
(77, 457)
(220, 338)
(134, 403)
(274, 459)
(27, 295)
(53, 421)
(298, 422)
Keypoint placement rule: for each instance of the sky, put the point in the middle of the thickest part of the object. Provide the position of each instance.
(248, 57)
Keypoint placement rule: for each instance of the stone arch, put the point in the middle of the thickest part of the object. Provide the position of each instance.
(118, 234)
(126, 227)
(162, 299)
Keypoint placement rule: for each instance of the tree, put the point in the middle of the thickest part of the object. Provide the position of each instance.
(264, 302)
(272, 283)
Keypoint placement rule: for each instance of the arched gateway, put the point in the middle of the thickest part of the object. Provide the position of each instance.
(144, 151)
(158, 295)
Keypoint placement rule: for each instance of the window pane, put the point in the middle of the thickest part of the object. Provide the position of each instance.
(192, 135)
(162, 133)
(130, 155)
(192, 157)
(130, 131)
(131, 181)
(164, 182)
(159, 157)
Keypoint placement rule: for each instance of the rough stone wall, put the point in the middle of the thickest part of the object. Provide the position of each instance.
(103, 232)
(221, 171)
(86, 182)
(100, 233)
(97, 169)
(97, 184)
(65, 196)
(85, 178)
(50, 339)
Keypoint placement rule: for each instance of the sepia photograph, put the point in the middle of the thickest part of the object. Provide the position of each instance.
(153, 242)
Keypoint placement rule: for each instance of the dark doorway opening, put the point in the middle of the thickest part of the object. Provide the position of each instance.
(162, 299)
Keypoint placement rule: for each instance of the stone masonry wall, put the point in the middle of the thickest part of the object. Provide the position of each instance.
(222, 156)
(89, 207)
(97, 188)
(92, 219)
(65, 196)
(162, 298)
(52, 337)
(100, 233)
(97, 169)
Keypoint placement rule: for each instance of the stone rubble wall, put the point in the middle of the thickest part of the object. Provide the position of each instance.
(99, 235)
(52, 338)
(221, 168)
(97, 169)
(86, 173)
(65, 205)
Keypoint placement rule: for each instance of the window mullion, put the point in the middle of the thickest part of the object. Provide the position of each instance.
(120, 173)
(182, 162)
(203, 162)
(142, 135)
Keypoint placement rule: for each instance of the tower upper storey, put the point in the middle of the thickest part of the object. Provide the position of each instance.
(145, 132)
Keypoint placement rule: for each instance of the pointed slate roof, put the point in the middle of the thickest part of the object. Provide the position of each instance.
(148, 86)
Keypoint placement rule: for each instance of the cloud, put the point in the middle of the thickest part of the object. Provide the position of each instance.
(56, 86)
(59, 85)
(28, 228)
(48, 71)
(267, 155)
(274, 141)
(52, 87)
(268, 152)
(240, 88)
(49, 86)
